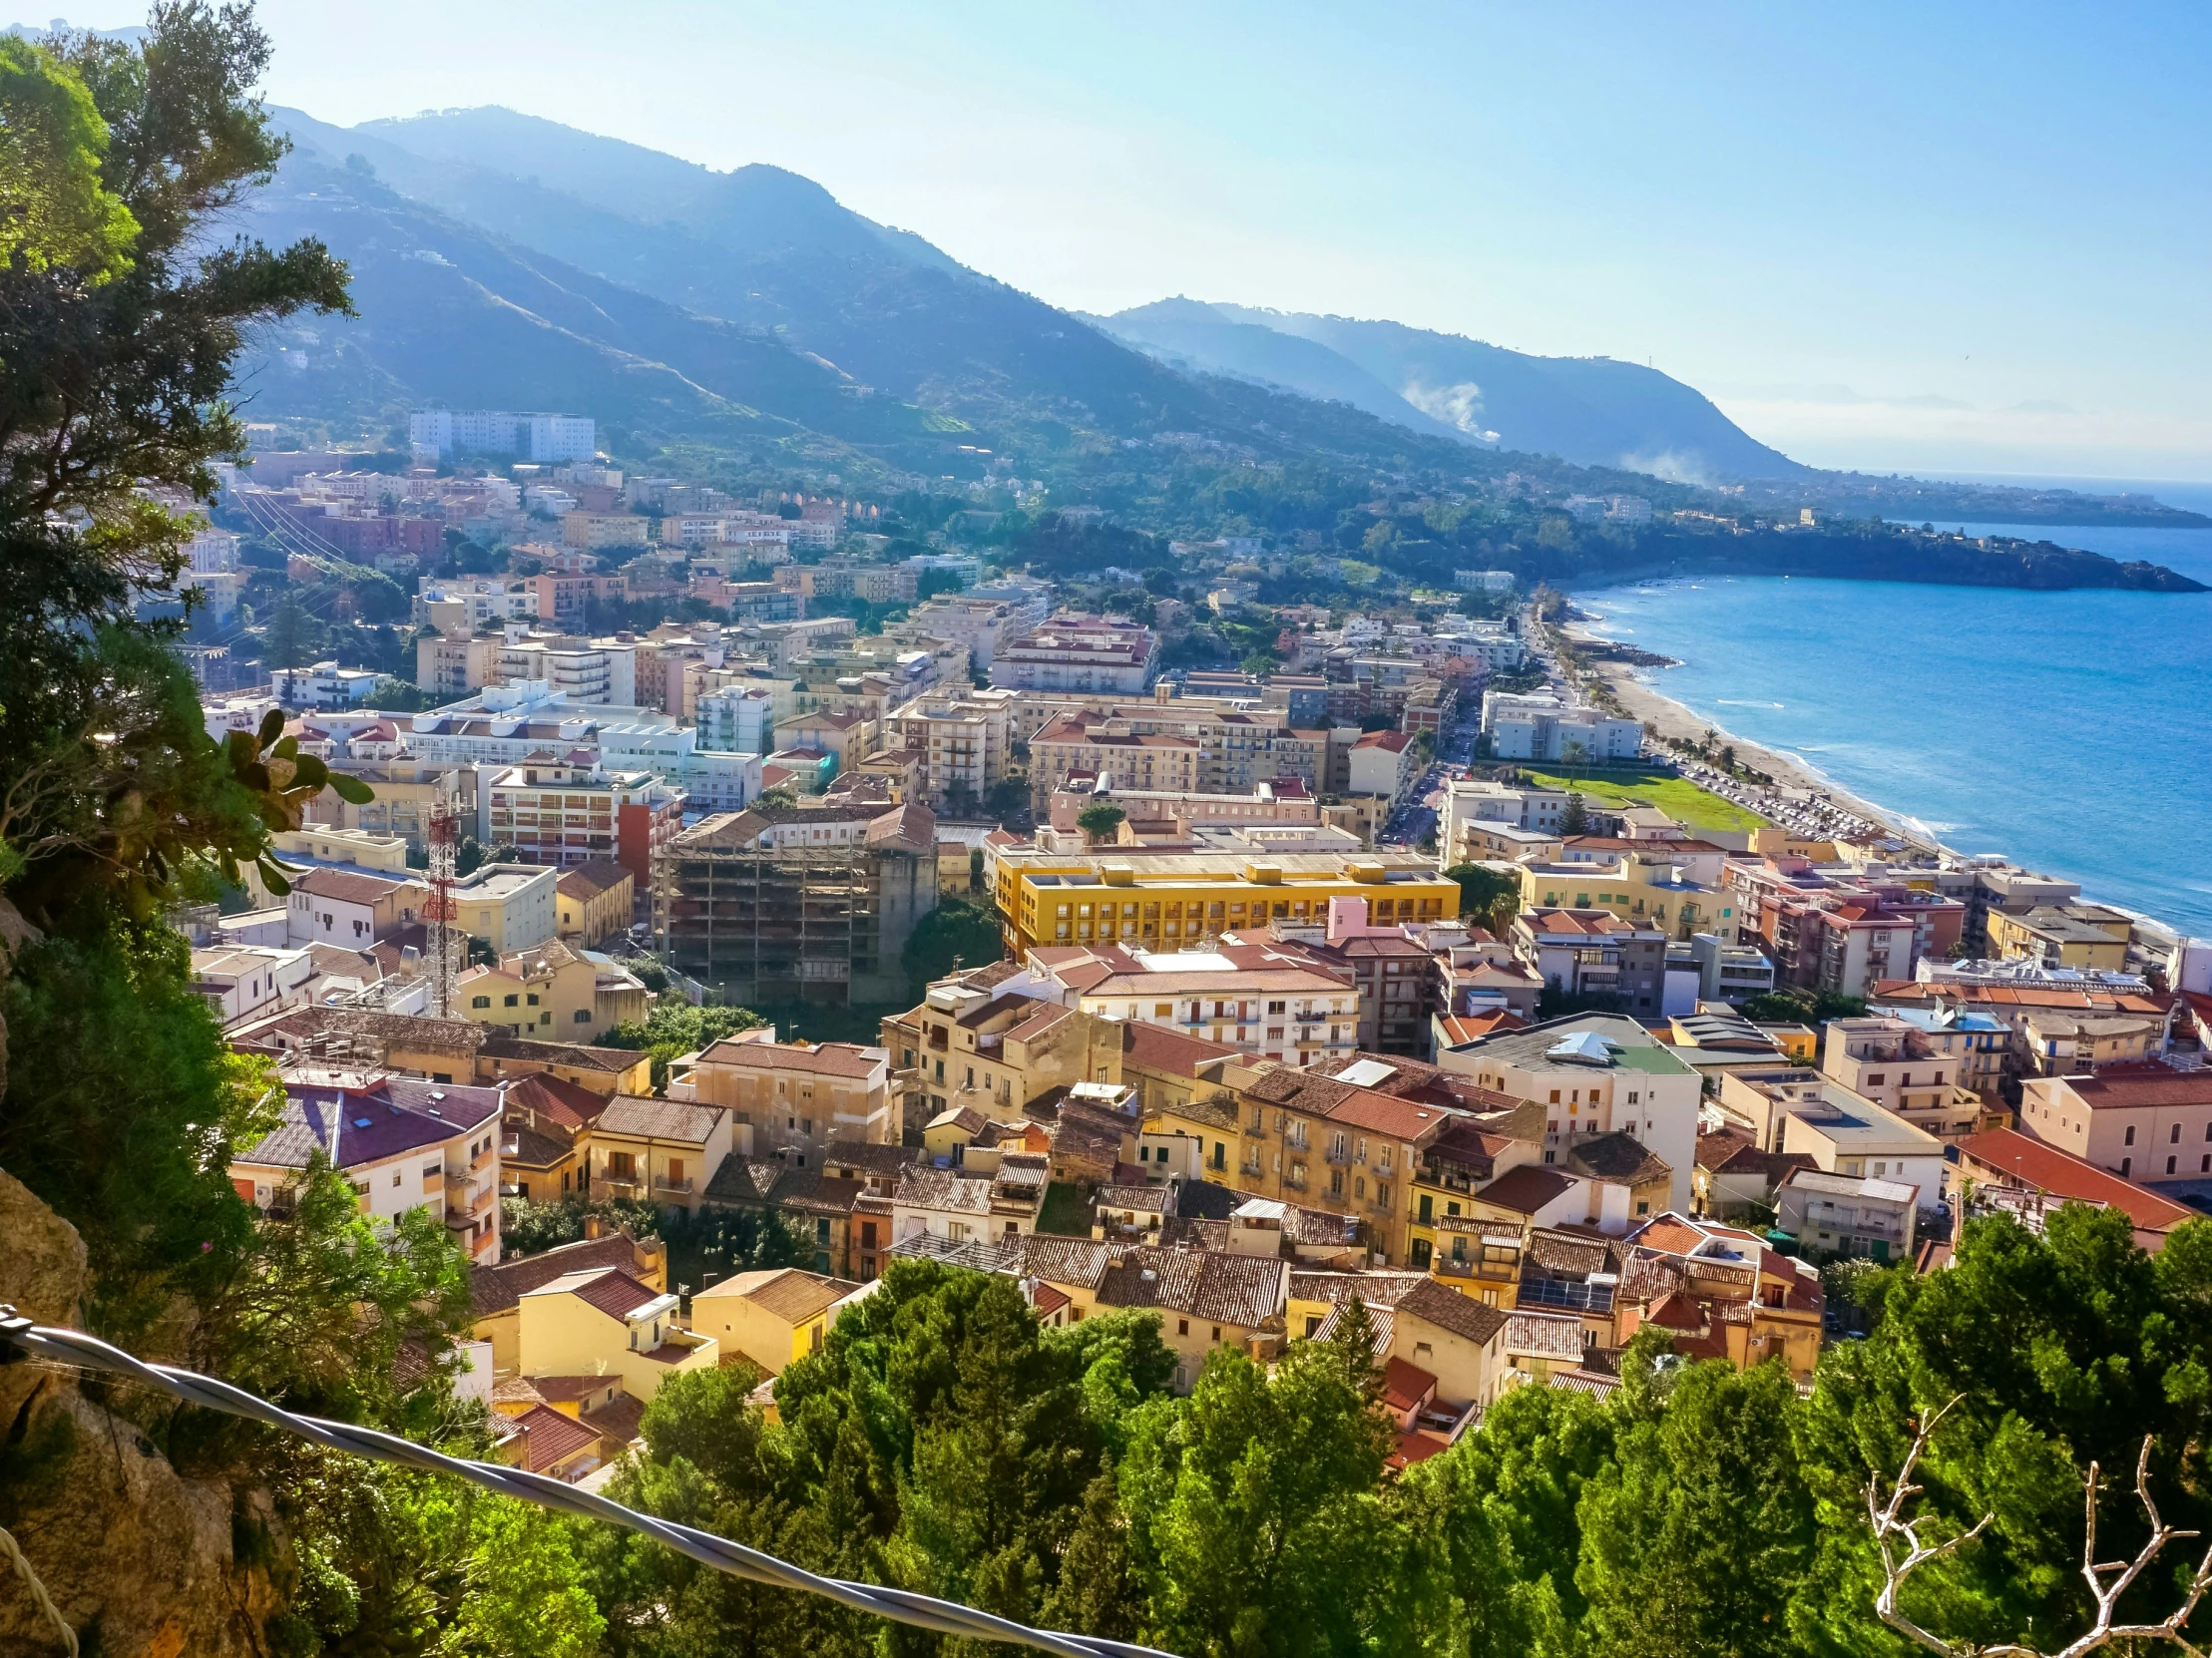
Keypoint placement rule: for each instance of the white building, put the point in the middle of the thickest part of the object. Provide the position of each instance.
(738, 719)
(324, 685)
(541, 438)
(1483, 581)
(1546, 728)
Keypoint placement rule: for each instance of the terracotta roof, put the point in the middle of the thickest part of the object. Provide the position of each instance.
(1526, 1189)
(1557, 1250)
(1243, 1290)
(787, 1293)
(549, 1437)
(347, 886)
(601, 875)
(1448, 1310)
(569, 1389)
(493, 1289)
(1395, 742)
(553, 1100)
(1376, 1288)
(2127, 1087)
(1406, 1386)
(1157, 1048)
(575, 1056)
(1082, 1262)
(2021, 1158)
(943, 1188)
(640, 1117)
(1414, 1447)
(610, 1289)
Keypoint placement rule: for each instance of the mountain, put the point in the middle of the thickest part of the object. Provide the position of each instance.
(1589, 410)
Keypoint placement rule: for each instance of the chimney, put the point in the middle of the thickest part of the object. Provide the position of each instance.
(594, 1228)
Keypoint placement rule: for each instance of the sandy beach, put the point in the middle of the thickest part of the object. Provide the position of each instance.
(1645, 703)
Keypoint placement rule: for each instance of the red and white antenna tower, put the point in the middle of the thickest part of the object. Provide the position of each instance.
(445, 937)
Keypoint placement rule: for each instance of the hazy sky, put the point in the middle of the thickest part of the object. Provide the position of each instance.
(1963, 237)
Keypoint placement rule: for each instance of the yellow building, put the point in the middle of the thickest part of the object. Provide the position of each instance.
(496, 1291)
(592, 903)
(771, 1318)
(603, 1322)
(553, 994)
(358, 848)
(1636, 887)
(2062, 934)
(1164, 900)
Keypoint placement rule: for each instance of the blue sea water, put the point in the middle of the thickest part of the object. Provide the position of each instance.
(2070, 730)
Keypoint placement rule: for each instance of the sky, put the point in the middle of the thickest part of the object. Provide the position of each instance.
(1967, 238)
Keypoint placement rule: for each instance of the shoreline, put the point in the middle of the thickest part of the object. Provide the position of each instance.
(1645, 703)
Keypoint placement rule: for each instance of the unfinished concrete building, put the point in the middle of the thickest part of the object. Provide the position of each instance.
(779, 905)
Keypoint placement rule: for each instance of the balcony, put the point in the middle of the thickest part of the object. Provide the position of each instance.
(672, 1185)
(611, 1187)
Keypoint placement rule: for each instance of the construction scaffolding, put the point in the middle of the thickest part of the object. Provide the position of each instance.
(786, 925)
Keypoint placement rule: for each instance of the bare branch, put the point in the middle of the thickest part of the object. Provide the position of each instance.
(1890, 1525)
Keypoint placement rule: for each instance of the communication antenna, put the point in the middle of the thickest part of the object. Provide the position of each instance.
(444, 914)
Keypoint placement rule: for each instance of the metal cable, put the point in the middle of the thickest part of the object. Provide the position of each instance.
(75, 1348)
(44, 1601)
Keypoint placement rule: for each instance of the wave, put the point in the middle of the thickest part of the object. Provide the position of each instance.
(1730, 702)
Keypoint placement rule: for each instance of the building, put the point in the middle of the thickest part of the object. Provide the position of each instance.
(2145, 1122)
(951, 1206)
(553, 994)
(496, 1287)
(963, 741)
(1171, 900)
(351, 907)
(511, 907)
(403, 1143)
(663, 1151)
(1382, 763)
(1904, 1068)
(324, 685)
(2005, 1170)
(973, 1042)
(1271, 1000)
(545, 439)
(1842, 1214)
(1651, 887)
(1586, 952)
(1084, 653)
(796, 1097)
(593, 903)
(784, 904)
(1720, 1293)
(1540, 726)
(2082, 935)
(570, 811)
(1206, 1299)
(771, 1318)
(601, 1321)
(1790, 1110)
(544, 1123)
(1594, 1074)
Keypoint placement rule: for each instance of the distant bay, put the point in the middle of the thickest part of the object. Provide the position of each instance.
(2070, 730)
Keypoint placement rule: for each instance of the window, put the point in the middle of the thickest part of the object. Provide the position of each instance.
(1554, 1091)
(2171, 1164)
(2127, 1164)
(2175, 1137)
(396, 1178)
(480, 1002)
(2131, 1141)
(1182, 1326)
(510, 1002)
(583, 1015)
(1218, 1332)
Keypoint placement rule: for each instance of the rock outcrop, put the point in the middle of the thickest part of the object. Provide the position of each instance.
(142, 1561)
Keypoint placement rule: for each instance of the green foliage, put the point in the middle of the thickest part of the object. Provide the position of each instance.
(59, 212)
(1487, 896)
(1101, 821)
(1801, 1006)
(1575, 816)
(675, 1028)
(962, 931)
(1256, 1521)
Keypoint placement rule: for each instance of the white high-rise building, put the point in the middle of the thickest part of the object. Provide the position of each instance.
(547, 439)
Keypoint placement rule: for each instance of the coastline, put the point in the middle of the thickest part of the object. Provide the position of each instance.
(1645, 703)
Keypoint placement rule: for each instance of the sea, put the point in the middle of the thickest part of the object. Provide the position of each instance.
(2072, 732)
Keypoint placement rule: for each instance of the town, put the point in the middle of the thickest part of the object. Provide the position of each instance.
(1368, 975)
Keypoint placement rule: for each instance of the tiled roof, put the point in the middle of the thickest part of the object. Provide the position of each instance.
(1376, 1288)
(1448, 1310)
(522, 1147)
(1078, 1261)
(2124, 1087)
(1525, 1189)
(943, 1188)
(551, 1099)
(639, 1117)
(1546, 1335)
(2027, 1160)
(1406, 1386)
(493, 1289)
(549, 1437)
(347, 886)
(1568, 1252)
(575, 1056)
(786, 1293)
(827, 1059)
(610, 1289)
(1617, 1158)
(1245, 1290)
(601, 875)
(877, 1160)
(1153, 1199)
(617, 1420)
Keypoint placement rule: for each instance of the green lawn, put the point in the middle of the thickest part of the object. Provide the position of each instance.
(1679, 798)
